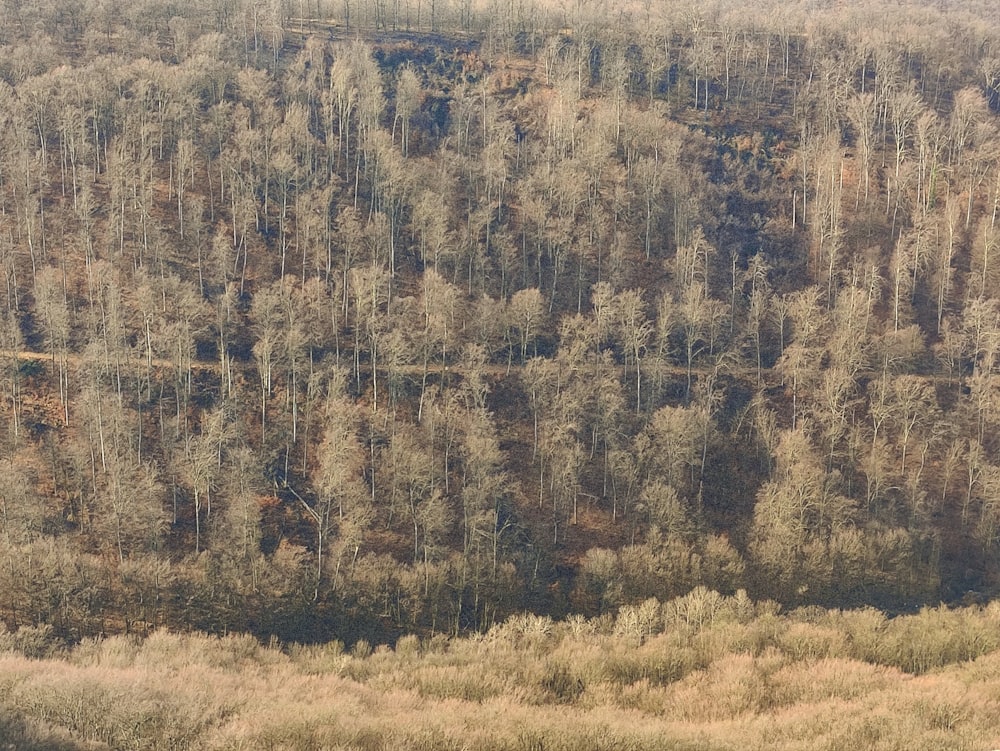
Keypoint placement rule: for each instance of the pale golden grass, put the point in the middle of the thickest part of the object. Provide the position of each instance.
(773, 682)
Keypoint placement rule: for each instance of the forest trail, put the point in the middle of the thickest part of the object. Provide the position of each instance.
(769, 377)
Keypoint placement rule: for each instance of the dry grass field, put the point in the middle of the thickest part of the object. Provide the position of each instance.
(701, 672)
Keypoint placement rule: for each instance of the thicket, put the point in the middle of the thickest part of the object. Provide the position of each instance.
(703, 671)
(350, 321)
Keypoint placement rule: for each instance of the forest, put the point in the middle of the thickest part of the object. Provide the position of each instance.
(356, 320)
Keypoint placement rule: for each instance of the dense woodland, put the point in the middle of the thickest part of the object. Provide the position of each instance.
(356, 318)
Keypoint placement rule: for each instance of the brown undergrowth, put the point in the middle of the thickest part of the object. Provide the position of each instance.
(699, 672)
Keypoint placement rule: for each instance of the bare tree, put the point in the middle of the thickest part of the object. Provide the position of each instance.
(526, 312)
(54, 317)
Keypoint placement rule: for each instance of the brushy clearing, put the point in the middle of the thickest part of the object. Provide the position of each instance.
(739, 677)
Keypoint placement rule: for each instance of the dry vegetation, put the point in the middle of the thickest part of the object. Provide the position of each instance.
(478, 308)
(699, 672)
(388, 322)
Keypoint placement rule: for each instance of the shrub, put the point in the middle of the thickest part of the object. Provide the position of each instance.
(17, 733)
(806, 641)
(408, 646)
(34, 642)
(639, 621)
(561, 685)
(699, 607)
